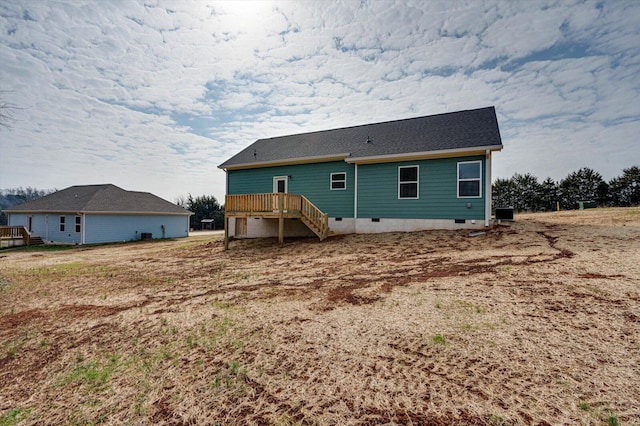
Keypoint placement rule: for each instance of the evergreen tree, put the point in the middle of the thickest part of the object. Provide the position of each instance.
(625, 189)
(583, 185)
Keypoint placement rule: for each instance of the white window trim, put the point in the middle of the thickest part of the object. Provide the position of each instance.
(344, 181)
(286, 183)
(417, 182)
(76, 224)
(62, 224)
(479, 179)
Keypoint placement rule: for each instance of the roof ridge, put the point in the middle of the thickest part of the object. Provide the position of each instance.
(379, 123)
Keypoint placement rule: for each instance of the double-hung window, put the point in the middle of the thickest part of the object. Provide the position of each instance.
(408, 182)
(338, 181)
(78, 223)
(62, 220)
(469, 179)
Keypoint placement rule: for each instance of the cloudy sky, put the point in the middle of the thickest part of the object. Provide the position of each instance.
(153, 95)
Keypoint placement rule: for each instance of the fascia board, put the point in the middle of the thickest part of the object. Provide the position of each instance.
(409, 156)
(286, 162)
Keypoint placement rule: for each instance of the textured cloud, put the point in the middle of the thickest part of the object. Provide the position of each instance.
(152, 96)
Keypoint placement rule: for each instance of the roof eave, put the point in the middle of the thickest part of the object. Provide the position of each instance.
(424, 155)
(285, 162)
(76, 212)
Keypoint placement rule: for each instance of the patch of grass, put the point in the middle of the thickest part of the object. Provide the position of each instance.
(13, 417)
(612, 419)
(584, 406)
(93, 374)
(45, 248)
(4, 283)
(498, 421)
(438, 339)
(505, 269)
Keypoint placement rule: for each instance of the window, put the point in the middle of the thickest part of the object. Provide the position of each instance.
(338, 180)
(469, 182)
(62, 219)
(408, 182)
(78, 222)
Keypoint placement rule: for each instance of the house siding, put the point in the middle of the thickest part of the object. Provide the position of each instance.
(437, 191)
(102, 228)
(47, 226)
(109, 228)
(310, 180)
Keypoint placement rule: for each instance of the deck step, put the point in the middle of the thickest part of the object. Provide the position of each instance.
(36, 241)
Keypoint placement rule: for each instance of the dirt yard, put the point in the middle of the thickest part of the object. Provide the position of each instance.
(535, 322)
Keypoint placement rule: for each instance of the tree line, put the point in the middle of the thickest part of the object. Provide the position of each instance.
(526, 193)
(13, 196)
(203, 207)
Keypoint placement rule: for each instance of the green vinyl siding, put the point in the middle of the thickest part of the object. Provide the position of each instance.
(311, 180)
(437, 191)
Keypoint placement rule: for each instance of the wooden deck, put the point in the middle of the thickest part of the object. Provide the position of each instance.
(17, 236)
(276, 205)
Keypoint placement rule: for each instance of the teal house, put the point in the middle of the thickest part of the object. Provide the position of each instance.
(431, 172)
(89, 214)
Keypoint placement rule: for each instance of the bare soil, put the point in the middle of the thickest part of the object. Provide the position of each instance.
(535, 322)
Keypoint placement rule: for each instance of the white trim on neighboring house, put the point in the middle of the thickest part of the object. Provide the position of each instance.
(83, 224)
(444, 153)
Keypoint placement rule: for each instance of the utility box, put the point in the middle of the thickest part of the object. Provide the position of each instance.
(504, 213)
(146, 235)
(590, 204)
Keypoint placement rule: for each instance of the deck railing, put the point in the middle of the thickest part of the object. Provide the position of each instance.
(15, 233)
(279, 205)
(261, 203)
(315, 217)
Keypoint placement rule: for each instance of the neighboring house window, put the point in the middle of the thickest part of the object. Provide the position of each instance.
(338, 180)
(62, 219)
(408, 182)
(469, 182)
(78, 222)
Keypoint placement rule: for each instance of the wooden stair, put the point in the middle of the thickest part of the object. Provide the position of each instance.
(314, 218)
(36, 241)
(276, 206)
(316, 230)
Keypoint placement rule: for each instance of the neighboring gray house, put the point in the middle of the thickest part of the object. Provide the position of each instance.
(429, 172)
(88, 214)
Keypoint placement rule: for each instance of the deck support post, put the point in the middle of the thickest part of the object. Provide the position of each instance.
(226, 232)
(281, 217)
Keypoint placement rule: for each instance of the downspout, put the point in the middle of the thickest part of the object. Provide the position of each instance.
(487, 189)
(355, 200)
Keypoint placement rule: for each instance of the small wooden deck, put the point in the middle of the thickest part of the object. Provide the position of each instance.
(279, 206)
(11, 236)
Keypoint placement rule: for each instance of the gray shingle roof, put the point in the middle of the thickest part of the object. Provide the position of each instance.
(451, 131)
(99, 198)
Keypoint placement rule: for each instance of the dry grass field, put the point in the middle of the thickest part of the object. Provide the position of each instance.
(535, 322)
